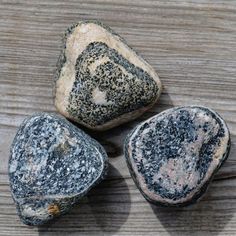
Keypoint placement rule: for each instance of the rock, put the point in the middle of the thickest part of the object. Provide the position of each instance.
(52, 165)
(173, 156)
(100, 81)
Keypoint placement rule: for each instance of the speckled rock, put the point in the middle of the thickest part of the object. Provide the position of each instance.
(52, 165)
(173, 156)
(100, 81)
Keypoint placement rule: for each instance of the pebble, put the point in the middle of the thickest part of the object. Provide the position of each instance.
(100, 81)
(173, 156)
(52, 165)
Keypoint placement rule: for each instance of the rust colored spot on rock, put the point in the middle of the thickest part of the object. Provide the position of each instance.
(53, 209)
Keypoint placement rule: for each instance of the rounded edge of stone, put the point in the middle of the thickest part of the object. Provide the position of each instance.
(62, 60)
(74, 198)
(198, 195)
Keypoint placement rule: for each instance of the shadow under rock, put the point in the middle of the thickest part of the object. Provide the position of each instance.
(111, 140)
(110, 203)
(104, 210)
(207, 217)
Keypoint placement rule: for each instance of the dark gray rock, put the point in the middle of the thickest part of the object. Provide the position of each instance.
(173, 156)
(100, 81)
(52, 165)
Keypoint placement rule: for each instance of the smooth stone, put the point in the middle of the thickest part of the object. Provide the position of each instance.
(101, 82)
(52, 165)
(173, 156)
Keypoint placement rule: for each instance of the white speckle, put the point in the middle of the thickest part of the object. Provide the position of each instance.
(84, 29)
(40, 213)
(101, 61)
(99, 97)
(13, 166)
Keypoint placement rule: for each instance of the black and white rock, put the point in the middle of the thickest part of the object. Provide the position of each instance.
(52, 165)
(173, 156)
(100, 81)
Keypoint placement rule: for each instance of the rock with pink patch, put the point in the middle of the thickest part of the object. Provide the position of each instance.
(174, 155)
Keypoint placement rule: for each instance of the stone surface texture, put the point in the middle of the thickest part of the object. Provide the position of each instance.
(100, 81)
(173, 156)
(52, 165)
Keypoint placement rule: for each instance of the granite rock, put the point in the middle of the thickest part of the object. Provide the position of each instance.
(173, 156)
(52, 165)
(101, 82)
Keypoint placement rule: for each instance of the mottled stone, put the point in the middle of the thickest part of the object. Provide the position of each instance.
(173, 156)
(52, 165)
(100, 81)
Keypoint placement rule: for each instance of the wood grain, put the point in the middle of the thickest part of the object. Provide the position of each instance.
(191, 44)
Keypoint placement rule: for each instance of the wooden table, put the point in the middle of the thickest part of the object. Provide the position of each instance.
(191, 44)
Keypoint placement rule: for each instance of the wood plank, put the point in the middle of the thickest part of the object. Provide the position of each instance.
(192, 46)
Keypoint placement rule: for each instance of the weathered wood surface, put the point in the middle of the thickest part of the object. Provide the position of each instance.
(191, 44)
